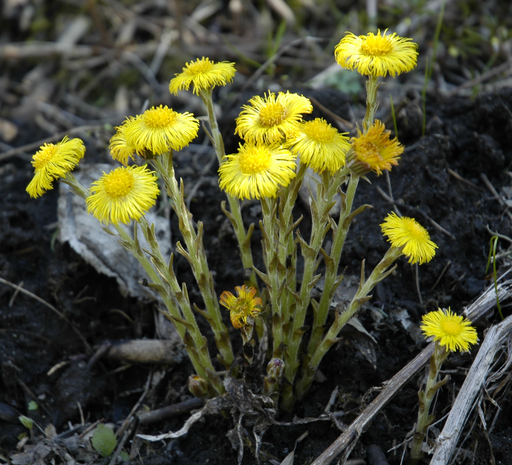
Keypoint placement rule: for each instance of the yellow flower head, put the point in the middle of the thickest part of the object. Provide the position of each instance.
(320, 146)
(53, 161)
(124, 194)
(451, 330)
(204, 74)
(256, 171)
(409, 235)
(119, 148)
(272, 118)
(376, 55)
(243, 306)
(374, 151)
(160, 129)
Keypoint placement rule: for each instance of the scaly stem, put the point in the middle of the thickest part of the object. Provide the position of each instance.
(425, 400)
(331, 274)
(320, 208)
(234, 214)
(202, 364)
(341, 233)
(271, 247)
(378, 274)
(287, 252)
(78, 189)
(371, 101)
(216, 137)
(168, 278)
(196, 256)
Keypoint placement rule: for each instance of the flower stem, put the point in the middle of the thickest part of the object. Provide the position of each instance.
(287, 253)
(274, 277)
(425, 400)
(331, 275)
(196, 345)
(78, 189)
(196, 256)
(371, 101)
(234, 214)
(320, 208)
(341, 318)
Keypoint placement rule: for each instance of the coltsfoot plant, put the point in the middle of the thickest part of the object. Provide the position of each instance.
(270, 166)
(450, 333)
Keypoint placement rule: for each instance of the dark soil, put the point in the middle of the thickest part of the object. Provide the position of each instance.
(439, 178)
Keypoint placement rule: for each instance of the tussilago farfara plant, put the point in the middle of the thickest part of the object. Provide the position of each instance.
(451, 333)
(270, 166)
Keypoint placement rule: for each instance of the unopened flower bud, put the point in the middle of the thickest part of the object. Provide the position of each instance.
(275, 371)
(199, 387)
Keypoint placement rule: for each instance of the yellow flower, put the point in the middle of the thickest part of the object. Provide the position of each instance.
(119, 148)
(53, 161)
(204, 74)
(320, 146)
(409, 235)
(374, 151)
(124, 194)
(159, 130)
(451, 330)
(243, 306)
(256, 171)
(376, 55)
(270, 119)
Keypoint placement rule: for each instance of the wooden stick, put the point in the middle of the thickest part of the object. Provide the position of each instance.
(143, 351)
(171, 411)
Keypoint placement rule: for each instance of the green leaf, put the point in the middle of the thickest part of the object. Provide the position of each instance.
(33, 405)
(26, 422)
(104, 440)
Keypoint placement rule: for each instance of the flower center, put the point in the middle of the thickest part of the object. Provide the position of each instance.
(242, 307)
(118, 183)
(44, 156)
(376, 45)
(319, 131)
(415, 230)
(254, 160)
(158, 118)
(272, 114)
(368, 151)
(199, 67)
(451, 328)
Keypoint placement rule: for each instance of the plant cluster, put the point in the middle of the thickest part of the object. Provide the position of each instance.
(279, 151)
